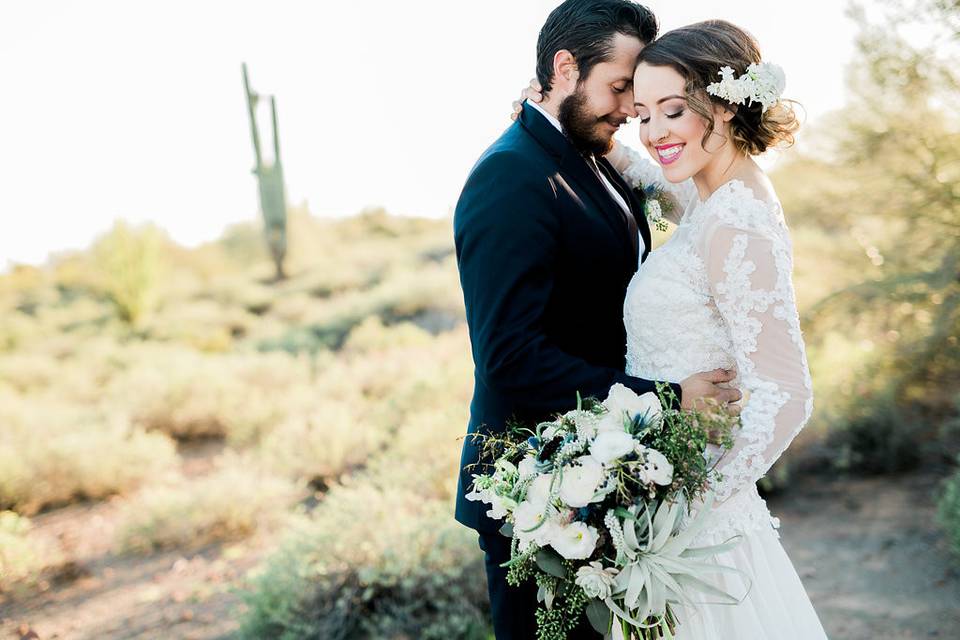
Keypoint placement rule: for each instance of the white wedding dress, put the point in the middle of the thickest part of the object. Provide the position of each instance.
(719, 293)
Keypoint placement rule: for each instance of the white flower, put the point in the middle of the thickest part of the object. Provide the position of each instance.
(654, 211)
(623, 400)
(547, 434)
(611, 422)
(498, 509)
(763, 83)
(500, 506)
(585, 421)
(539, 489)
(610, 445)
(527, 467)
(596, 581)
(656, 468)
(580, 482)
(532, 524)
(575, 541)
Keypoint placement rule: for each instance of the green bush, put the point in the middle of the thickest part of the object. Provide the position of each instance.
(22, 558)
(372, 563)
(129, 262)
(54, 453)
(231, 502)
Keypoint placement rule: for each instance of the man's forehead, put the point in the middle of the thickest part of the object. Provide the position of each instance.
(623, 57)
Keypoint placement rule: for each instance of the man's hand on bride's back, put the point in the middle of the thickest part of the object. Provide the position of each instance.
(531, 93)
(702, 390)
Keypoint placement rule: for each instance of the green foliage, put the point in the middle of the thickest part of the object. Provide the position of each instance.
(568, 605)
(372, 563)
(884, 339)
(55, 453)
(22, 558)
(130, 268)
(231, 502)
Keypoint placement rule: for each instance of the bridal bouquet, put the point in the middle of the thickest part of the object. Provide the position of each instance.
(597, 503)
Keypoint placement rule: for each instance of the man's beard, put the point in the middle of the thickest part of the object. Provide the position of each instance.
(582, 127)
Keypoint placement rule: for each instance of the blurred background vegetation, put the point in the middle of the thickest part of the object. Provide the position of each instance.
(333, 400)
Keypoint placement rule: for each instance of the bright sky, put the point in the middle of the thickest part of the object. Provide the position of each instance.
(136, 110)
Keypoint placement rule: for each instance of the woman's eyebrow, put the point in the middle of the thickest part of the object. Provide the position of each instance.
(640, 104)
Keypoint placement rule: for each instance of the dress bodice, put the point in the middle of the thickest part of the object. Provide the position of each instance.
(717, 294)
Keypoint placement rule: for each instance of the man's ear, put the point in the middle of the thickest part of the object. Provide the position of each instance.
(565, 70)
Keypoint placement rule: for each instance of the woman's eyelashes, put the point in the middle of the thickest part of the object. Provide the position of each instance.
(672, 116)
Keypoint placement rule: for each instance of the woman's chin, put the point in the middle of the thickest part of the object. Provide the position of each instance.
(674, 173)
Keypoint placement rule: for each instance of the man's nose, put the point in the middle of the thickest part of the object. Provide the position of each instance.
(628, 107)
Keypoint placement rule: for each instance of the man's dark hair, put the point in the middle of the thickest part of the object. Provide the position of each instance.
(586, 29)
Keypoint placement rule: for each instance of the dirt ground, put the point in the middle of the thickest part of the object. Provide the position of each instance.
(871, 558)
(867, 550)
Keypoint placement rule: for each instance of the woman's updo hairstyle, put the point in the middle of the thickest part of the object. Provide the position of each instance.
(697, 52)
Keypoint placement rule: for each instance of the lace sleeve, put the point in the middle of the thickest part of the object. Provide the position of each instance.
(640, 171)
(749, 268)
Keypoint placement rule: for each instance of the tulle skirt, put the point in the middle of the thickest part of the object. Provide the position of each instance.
(776, 606)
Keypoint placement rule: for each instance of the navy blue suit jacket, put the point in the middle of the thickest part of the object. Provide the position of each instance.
(545, 258)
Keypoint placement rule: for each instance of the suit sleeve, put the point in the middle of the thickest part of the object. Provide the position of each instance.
(506, 235)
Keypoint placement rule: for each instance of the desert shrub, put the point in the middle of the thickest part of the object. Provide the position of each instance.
(323, 445)
(381, 556)
(201, 324)
(231, 502)
(129, 264)
(372, 562)
(22, 558)
(188, 394)
(54, 453)
(372, 335)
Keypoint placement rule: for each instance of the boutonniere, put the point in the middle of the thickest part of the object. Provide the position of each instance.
(656, 203)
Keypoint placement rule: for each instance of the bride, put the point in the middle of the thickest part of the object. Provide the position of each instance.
(718, 294)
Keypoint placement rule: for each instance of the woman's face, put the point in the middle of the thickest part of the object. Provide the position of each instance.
(669, 129)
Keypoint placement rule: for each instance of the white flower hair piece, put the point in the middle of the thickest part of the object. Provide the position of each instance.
(763, 83)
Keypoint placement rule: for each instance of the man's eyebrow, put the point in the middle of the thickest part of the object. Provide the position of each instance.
(640, 104)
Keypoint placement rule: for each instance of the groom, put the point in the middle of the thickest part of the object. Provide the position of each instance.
(548, 236)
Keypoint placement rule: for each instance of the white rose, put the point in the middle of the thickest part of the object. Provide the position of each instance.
(596, 581)
(575, 541)
(610, 445)
(611, 421)
(532, 524)
(623, 400)
(656, 468)
(580, 481)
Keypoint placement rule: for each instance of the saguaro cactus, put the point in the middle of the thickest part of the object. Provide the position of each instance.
(273, 202)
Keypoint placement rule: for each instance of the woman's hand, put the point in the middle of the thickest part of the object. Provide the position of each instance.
(531, 93)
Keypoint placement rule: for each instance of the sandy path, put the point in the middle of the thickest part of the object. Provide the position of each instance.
(871, 558)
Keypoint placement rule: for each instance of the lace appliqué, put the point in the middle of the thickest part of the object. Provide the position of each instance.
(686, 312)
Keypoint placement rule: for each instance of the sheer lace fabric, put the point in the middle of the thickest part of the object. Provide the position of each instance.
(719, 293)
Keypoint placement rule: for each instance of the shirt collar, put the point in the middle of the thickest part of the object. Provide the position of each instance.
(549, 117)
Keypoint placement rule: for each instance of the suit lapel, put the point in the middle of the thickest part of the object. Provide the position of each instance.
(573, 166)
(635, 204)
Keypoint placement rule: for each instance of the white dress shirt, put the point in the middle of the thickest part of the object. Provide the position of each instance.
(592, 163)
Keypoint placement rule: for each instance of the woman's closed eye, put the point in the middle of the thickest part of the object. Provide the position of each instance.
(672, 116)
